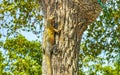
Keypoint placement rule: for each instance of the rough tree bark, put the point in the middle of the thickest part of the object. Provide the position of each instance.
(75, 16)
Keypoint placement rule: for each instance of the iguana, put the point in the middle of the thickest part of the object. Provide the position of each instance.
(49, 41)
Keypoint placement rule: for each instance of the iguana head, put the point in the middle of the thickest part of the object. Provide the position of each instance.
(50, 21)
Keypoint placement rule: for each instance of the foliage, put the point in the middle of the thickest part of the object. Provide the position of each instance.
(2, 64)
(100, 46)
(20, 14)
(24, 57)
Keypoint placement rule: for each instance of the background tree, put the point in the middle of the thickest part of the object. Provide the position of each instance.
(22, 57)
(100, 51)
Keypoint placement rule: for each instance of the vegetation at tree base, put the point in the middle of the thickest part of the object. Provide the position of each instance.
(100, 46)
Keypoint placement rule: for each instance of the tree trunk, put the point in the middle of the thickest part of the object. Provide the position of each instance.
(75, 16)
